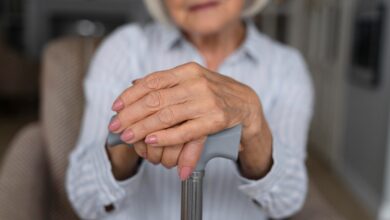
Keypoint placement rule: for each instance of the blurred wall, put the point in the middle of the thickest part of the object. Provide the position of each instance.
(346, 44)
(384, 212)
(367, 104)
(46, 19)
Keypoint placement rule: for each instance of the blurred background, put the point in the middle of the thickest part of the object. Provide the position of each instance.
(346, 44)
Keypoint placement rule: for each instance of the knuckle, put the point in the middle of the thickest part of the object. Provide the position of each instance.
(166, 116)
(203, 84)
(141, 128)
(153, 158)
(141, 152)
(153, 99)
(194, 67)
(154, 162)
(220, 118)
(139, 146)
(153, 81)
(168, 166)
(168, 162)
(185, 137)
(212, 104)
(171, 77)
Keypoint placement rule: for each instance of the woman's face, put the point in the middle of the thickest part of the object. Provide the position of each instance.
(204, 16)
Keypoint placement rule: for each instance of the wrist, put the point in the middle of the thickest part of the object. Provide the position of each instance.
(253, 118)
(255, 160)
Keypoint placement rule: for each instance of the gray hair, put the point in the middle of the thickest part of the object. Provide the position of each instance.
(157, 10)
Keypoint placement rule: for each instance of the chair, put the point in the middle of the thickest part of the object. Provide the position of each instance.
(33, 171)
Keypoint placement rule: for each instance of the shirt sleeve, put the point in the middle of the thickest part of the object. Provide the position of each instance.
(90, 183)
(282, 191)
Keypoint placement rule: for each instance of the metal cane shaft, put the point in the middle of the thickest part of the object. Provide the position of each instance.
(191, 197)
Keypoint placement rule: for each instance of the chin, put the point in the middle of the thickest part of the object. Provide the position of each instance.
(205, 28)
(202, 30)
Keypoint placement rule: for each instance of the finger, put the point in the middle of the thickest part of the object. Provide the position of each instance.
(170, 155)
(154, 154)
(148, 105)
(152, 82)
(186, 132)
(189, 157)
(140, 149)
(166, 118)
(156, 81)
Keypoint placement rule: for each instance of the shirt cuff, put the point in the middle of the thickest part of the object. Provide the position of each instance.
(131, 184)
(256, 189)
(111, 190)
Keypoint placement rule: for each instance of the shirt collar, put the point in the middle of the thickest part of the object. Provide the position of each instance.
(250, 47)
(172, 37)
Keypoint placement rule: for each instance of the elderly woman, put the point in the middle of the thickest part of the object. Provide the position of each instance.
(202, 68)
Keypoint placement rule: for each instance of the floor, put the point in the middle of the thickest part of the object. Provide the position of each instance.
(328, 183)
(334, 191)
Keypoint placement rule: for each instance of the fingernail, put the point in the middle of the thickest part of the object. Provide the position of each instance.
(118, 105)
(127, 135)
(144, 155)
(151, 140)
(185, 172)
(115, 124)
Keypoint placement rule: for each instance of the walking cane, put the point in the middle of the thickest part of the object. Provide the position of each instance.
(224, 144)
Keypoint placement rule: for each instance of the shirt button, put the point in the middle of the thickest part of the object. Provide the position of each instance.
(256, 203)
(109, 208)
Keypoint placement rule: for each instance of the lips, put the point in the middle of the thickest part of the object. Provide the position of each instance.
(203, 6)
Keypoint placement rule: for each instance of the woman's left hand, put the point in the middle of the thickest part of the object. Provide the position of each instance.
(173, 111)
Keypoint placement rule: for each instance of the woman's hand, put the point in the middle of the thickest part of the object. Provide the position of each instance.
(173, 111)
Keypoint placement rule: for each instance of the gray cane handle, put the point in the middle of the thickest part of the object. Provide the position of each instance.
(114, 140)
(224, 144)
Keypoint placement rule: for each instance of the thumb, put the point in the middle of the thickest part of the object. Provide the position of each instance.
(135, 81)
(189, 157)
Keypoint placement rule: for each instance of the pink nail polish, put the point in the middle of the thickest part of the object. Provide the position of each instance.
(115, 124)
(118, 105)
(185, 172)
(127, 135)
(151, 140)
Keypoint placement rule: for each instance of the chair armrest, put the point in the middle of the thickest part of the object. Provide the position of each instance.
(23, 184)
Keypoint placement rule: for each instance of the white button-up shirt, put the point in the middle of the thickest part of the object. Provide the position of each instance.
(277, 73)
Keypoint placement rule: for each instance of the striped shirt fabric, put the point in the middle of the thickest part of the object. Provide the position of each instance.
(277, 73)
